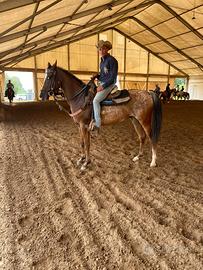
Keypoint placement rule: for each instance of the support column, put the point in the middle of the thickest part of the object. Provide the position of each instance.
(168, 78)
(68, 51)
(147, 81)
(3, 86)
(35, 80)
(98, 55)
(186, 84)
(124, 75)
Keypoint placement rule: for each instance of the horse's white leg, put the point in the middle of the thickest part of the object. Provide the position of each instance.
(142, 136)
(153, 162)
(147, 130)
(140, 153)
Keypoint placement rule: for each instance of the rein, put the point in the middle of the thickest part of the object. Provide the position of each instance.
(61, 108)
(77, 94)
(85, 87)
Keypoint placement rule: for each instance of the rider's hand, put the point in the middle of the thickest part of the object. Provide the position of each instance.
(94, 76)
(100, 88)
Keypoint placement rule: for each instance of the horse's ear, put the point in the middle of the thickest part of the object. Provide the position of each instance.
(49, 65)
(55, 64)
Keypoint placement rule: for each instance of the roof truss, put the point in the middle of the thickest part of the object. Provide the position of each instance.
(11, 4)
(145, 48)
(30, 48)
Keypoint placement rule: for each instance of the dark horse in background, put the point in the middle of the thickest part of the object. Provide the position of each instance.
(10, 94)
(166, 95)
(144, 110)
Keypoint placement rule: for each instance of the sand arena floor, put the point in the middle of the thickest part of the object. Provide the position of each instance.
(116, 215)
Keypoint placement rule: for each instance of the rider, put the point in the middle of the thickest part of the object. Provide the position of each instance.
(177, 87)
(182, 89)
(9, 86)
(106, 79)
(168, 90)
(157, 90)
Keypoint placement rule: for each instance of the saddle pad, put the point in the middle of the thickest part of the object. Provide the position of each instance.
(119, 99)
(107, 102)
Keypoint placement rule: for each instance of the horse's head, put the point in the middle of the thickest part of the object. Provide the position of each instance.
(51, 84)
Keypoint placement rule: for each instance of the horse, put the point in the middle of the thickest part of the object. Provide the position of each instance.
(186, 95)
(165, 95)
(10, 94)
(174, 94)
(182, 94)
(144, 109)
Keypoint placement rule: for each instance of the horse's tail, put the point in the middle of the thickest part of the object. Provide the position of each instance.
(156, 118)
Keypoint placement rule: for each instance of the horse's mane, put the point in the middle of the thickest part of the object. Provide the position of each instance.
(71, 75)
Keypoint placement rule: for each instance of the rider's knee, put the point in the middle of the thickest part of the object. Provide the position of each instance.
(95, 101)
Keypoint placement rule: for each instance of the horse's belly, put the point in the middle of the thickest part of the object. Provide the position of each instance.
(114, 114)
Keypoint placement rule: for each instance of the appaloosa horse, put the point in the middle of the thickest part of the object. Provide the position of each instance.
(144, 110)
(183, 95)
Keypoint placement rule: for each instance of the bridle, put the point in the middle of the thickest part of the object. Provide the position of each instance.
(55, 84)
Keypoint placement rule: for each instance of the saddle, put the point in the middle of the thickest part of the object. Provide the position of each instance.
(9, 92)
(118, 97)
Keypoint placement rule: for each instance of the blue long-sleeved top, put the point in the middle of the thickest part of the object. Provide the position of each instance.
(108, 70)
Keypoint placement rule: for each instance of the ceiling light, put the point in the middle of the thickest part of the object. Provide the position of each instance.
(44, 28)
(110, 7)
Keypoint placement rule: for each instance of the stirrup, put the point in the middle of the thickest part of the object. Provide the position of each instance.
(91, 125)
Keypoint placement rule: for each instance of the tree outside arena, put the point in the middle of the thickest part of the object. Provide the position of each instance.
(181, 82)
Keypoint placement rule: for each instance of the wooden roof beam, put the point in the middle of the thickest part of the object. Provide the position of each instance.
(67, 19)
(178, 17)
(167, 42)
(148, 50)
(27, 19)
(60, 43)
(11, 4)
(47, 39)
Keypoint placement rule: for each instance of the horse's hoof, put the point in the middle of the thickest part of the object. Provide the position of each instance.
(83, 168)
(91, 125)
(80, 161)
(136, 158)
(153, 164)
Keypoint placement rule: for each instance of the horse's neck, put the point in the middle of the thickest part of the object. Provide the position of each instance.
(70, 85)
